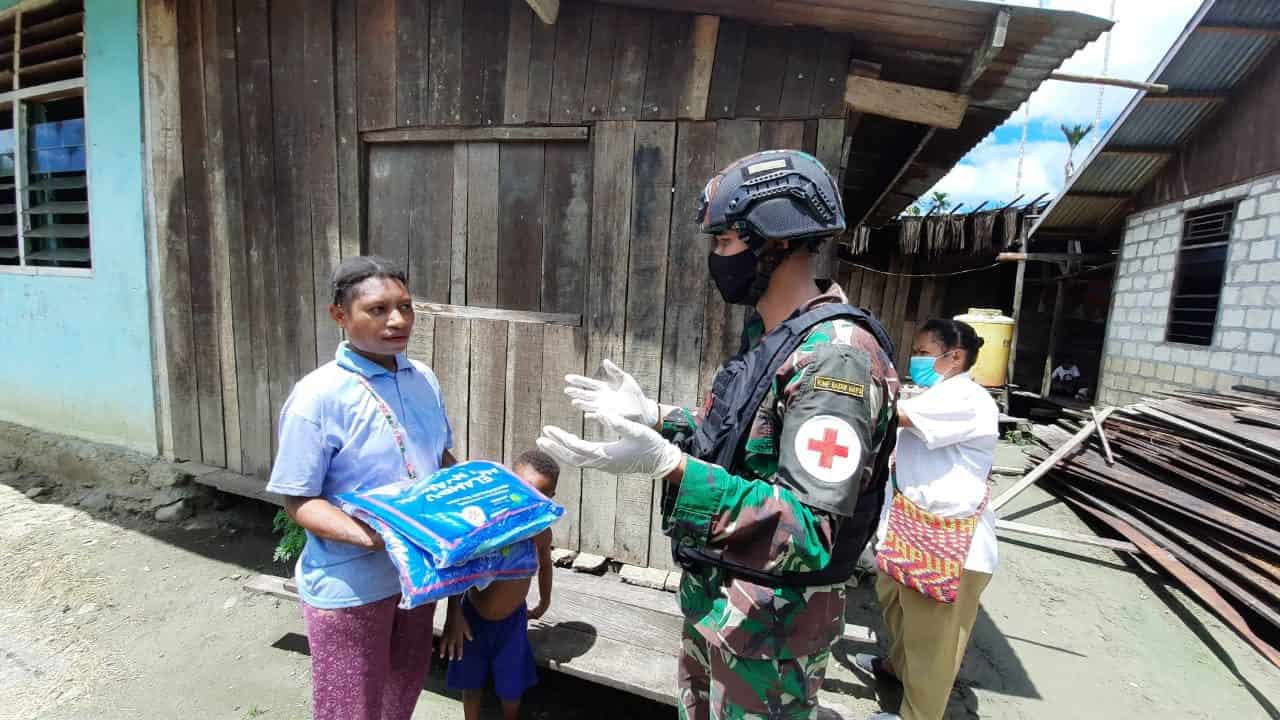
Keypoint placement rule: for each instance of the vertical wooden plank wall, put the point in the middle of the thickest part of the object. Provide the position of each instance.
(687, 281)
(220, 200)
(206, 285)
(246, 448)
(482, 224)
(173, 336)
(320, 165)
(642, 340)
(613, 172)
(901, 301)
(261, 185)
(453, 353)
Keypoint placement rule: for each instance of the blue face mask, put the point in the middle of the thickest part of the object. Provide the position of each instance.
(923, 372)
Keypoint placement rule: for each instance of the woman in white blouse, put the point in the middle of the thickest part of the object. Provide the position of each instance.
(946, 443)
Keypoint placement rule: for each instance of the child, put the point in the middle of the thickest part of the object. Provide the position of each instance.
(486, 633)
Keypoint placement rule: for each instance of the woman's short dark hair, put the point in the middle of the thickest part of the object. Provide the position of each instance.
(956, 334)
(355, 270)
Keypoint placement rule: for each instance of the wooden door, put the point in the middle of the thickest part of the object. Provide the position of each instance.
(494, 238)
(535, 259)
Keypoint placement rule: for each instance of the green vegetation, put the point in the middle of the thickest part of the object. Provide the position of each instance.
(292, 538)
(1019, 437)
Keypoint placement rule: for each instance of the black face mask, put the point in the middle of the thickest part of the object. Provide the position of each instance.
(734, 276)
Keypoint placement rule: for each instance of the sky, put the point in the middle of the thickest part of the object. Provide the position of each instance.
(1139, 39)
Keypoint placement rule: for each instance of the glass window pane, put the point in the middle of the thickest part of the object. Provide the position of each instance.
(56, 207)
(8, 195)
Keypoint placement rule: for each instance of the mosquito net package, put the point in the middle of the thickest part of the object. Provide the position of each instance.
(460, 513)
(421, 582)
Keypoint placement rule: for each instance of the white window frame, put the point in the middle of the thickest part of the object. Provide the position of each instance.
(16, 99)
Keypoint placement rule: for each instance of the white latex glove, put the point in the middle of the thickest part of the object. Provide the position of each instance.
(619, 394)
(638, 451)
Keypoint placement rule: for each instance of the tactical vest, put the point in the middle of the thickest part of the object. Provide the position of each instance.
(739, 388)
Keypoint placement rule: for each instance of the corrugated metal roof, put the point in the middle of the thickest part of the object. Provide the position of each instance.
(1162, 123)
(1118, 173)
(1252, 12)
(1212, 61)
(1077, 211)
(1213, 56)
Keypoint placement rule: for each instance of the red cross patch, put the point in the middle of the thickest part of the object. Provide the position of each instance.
(828, 448)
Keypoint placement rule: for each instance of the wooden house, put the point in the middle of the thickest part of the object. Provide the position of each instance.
(535, 166)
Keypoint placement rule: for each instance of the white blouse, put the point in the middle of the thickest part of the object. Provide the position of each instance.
(944, 460)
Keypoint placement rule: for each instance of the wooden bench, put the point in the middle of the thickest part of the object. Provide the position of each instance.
(598, 629)
(623, 636)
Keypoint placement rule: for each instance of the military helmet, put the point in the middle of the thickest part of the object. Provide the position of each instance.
(774, 194)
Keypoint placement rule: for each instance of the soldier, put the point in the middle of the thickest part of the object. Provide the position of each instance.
(774, 487)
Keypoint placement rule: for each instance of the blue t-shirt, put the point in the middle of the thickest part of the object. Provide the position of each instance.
(333, 439)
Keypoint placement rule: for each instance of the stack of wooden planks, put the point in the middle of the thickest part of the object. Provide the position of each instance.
(1196, 487)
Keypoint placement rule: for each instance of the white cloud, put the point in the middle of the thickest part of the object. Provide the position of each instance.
(989, 173)
(1139, 39)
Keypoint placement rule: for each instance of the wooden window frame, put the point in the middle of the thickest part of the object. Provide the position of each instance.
(1231, 209)
(16, 99)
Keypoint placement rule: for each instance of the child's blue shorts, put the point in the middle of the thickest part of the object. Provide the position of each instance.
(498, 651)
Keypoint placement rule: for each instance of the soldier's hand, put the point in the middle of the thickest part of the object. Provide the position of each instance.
(639, 450)
(618, 394)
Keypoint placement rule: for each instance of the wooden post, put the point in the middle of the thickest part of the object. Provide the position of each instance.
(1106, 446)
(1053, 257)
(1043, 468)
(1047, 379)
(1013, 340)
(1116, 82)
(924, 106)
(1007, 526)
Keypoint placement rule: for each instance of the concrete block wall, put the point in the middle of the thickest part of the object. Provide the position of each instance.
(1246, 341)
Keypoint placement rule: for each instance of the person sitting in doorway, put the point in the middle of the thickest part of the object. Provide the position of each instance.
(486, 635)
(1065, 380)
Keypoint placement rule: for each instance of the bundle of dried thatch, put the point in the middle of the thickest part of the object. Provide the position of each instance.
(909, 235)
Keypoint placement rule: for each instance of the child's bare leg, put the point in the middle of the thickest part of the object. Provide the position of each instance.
(511, 709)
(472, 701)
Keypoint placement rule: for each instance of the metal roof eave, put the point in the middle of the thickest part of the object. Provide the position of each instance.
(1138, 97)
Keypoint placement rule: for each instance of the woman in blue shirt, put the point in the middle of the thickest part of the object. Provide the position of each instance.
(369, 418)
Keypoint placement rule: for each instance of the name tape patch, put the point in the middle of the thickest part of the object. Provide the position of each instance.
(840, 387)
(765, 166)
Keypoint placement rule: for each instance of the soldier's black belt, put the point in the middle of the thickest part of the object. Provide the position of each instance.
(853, 535)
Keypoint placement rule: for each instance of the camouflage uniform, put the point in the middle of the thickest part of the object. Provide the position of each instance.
(751, 650)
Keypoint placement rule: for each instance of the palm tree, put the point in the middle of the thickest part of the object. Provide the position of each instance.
(913, 210)
(1074, 135)
(940, 202)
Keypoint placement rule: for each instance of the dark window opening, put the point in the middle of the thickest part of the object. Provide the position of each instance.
(1201, 270)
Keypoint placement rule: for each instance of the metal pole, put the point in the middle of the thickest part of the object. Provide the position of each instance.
(1013, 340)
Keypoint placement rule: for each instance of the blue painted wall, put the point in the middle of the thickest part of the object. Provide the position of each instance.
(75, 353)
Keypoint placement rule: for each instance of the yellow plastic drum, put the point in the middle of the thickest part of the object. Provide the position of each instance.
(996, 331)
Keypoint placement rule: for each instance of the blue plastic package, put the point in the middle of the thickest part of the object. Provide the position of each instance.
(462, 512)
(421, 582)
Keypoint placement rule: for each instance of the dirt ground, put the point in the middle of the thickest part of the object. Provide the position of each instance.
(118, 618)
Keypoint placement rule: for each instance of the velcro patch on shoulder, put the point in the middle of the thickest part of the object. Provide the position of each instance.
(840, 387)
